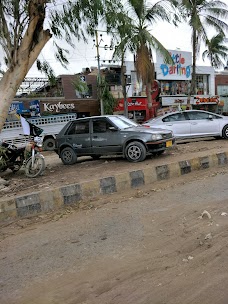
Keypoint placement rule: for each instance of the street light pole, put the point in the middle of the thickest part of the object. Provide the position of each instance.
(99, 74)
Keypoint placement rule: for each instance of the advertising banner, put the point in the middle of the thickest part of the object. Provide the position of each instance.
(181, 68)
(175, 100)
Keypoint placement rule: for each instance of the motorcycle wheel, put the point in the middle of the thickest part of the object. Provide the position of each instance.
(17, 166)
(37, 169)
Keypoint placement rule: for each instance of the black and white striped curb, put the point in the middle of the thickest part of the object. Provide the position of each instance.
(43, 201)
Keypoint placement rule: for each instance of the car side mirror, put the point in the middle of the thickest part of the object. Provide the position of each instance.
(210, 117)
(113, 129)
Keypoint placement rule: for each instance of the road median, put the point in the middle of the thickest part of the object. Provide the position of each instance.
(51, 199)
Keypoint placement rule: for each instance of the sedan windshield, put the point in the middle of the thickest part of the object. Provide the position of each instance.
(122, 122)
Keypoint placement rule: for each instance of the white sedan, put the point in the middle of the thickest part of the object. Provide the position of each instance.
(192, 124)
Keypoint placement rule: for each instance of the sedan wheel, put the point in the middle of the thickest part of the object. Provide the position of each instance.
(225, 132)
(68, 156)
(135, 152)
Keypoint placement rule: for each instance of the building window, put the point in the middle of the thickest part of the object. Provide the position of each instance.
(202, 85)
(174, 87)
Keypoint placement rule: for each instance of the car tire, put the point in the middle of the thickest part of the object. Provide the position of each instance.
(135, 152)
(225, 132)
(68, 156)
(49, 144)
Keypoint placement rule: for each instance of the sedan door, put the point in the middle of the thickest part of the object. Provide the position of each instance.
(78, 136)
(203, 124)
(103, 139)
(178, 123)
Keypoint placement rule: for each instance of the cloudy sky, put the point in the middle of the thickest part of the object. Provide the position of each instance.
(84, 55)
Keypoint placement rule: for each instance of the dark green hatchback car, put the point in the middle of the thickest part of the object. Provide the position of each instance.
(110, 135)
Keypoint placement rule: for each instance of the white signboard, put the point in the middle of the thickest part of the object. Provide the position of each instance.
(175, 100)
(181, 68)
(57, 107)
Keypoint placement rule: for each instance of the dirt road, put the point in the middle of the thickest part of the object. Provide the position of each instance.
(57, 174)
(146, 246)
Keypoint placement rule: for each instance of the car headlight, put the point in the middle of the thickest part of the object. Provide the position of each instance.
(156, 136)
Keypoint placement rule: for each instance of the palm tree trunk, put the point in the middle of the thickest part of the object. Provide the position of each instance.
(149, 99)
(123, 83)
(193, 82)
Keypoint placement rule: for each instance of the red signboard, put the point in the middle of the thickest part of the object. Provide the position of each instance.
(134, 104)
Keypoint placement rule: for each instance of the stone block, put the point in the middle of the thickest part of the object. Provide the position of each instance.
(108, 185)
(137, 178)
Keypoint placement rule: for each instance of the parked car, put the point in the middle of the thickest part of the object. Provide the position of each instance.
(110, 135)
(192, 124)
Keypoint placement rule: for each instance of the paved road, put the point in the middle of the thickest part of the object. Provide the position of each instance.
(146, 246)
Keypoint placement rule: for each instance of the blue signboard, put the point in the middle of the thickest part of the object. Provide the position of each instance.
(16, 107)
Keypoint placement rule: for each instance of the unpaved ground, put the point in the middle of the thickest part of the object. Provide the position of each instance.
(57, 174)
(148, 246)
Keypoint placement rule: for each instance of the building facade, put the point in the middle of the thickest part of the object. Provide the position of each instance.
(221, 89)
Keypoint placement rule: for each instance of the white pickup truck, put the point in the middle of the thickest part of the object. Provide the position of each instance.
(12, 131)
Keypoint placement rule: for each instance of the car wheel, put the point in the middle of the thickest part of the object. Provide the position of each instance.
(49, 144)
(225, 132)
(135, 152)
(68, 156)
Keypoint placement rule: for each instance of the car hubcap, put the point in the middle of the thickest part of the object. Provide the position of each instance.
(134, 152)
(226, 132)
(67, 156)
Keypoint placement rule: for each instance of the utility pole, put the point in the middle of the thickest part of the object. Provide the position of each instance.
(99, 74)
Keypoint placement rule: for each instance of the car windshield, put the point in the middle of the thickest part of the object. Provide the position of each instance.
(122, 122)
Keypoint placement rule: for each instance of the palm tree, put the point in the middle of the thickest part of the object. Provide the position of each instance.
(216, 51)
(202, 15)
(134, 31)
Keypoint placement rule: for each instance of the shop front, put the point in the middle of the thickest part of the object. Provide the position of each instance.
(137, 108)
(175, 82)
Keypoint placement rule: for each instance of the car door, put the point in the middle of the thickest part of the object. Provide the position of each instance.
(178, 123)
(78, 136)
(103, 139)
(203, 124)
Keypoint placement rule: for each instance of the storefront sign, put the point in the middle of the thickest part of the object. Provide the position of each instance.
(206, 100)
(57, 107)
(134, 104)
(174, 100)
(179, 70)
(16, 107)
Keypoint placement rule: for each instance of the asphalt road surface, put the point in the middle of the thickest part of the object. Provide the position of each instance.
(163, 244)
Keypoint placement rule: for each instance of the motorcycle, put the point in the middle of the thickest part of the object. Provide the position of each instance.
(29, 157)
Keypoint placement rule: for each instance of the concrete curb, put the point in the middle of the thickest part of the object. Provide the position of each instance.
(40, 202)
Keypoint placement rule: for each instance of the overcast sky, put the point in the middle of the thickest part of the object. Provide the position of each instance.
(84, 55)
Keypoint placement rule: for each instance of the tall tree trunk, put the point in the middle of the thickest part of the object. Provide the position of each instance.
(13, 78)
(149, 98)
(123, 83)
(193, 81)
(149, 85)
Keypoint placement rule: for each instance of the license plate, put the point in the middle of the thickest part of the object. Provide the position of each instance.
(169, 144)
